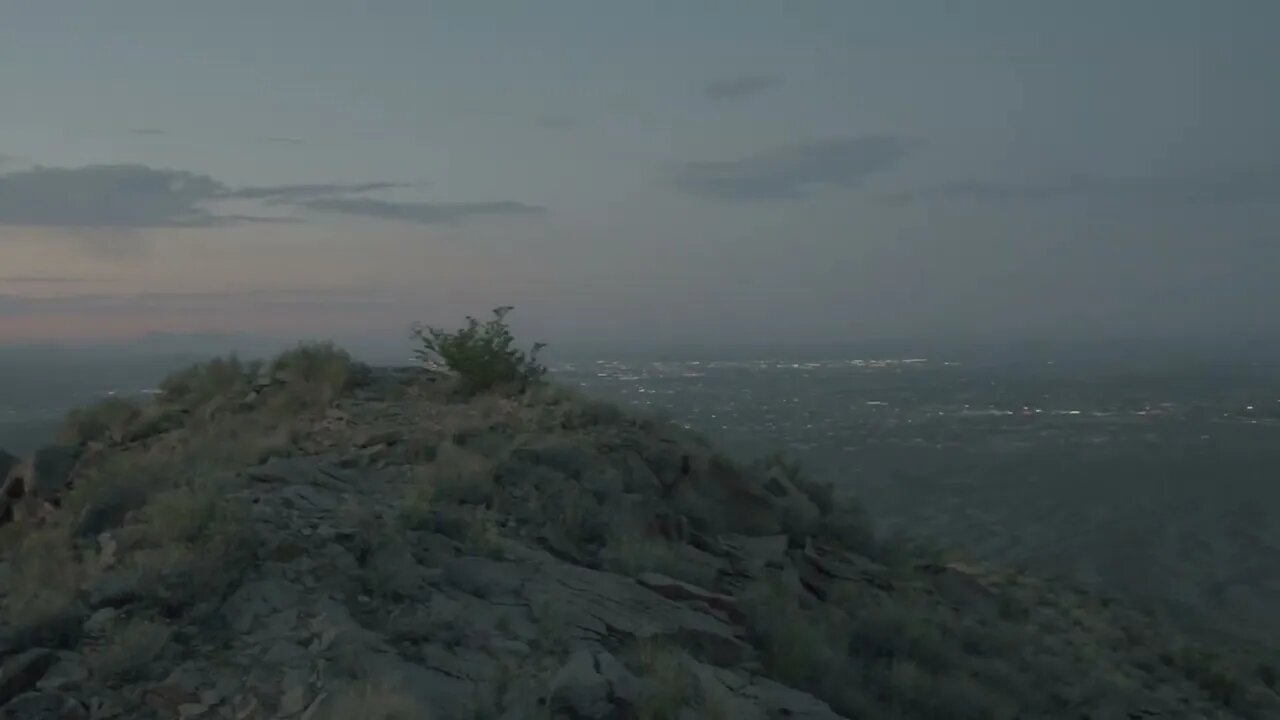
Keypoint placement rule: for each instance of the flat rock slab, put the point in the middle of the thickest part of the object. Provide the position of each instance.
(753, 697)
(678, 591)
(301, 471)
(603, 605)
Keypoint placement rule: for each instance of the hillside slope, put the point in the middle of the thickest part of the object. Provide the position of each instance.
(321, 540)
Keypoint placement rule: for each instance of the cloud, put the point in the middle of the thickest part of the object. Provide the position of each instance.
(108, 196)
(290, 194)
(123, 198)
(190, 301)
(419, 212)
(1230, 188)
(147, 131)
(794, 171)
(243, 219)
(7, 162)
(739, 87)
(51, 279)
(279, 140)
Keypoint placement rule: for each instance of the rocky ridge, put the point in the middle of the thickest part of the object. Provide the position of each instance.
(327, 542)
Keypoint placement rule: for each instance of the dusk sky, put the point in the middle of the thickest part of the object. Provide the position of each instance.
(639, 172)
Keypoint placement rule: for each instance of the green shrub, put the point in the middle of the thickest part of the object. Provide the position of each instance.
(108, 420)
(201, 384)
(482, 354)
(314, 374)
(317, 362)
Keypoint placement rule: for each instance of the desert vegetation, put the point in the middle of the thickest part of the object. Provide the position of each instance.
(309, 535)
(482, 354)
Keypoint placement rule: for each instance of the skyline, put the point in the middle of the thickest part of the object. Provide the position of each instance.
(659, 174)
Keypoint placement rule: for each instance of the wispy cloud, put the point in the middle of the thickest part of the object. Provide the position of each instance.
(1222, 188)
(740, 87)
(794, 171)
(47, 279)
(128, 197)
(289, 194)
(419, 212)
(108, 196)
(190, 301)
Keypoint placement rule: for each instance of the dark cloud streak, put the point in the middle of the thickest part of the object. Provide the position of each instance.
(129, 197)
(425, 213)
(1238, 187)
(288, 194)
(194, 301)
(109, 196)
(51, 279)
(794, 171)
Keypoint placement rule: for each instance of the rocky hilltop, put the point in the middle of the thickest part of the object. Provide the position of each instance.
(316, 539)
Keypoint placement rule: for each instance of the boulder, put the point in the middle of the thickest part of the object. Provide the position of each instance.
(68, 673)
(44, 706)
(11, 485)
(7, 464)
(44, 475)
(797, 509)
(593, 684)
(21, 672)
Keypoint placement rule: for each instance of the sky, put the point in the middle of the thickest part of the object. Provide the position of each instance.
(633, 174)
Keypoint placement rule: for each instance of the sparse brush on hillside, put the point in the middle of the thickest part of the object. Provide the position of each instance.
(200, 384)
(118, 420)
(316, 373)
(542, 555)
(482, 354)
(309, 375)
(105, 421)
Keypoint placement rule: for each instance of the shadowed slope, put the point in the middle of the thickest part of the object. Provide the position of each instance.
(312, 538)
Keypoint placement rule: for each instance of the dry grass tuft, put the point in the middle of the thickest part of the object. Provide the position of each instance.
(632, 552)
(458, 475)
(314, 376)
(370, 700)
(200, 385)
(109, 421)
(672, 685)
(42, 581)
(127, 652)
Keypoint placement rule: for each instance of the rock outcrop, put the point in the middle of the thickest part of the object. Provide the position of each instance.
(33, 486)
(390, 552)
